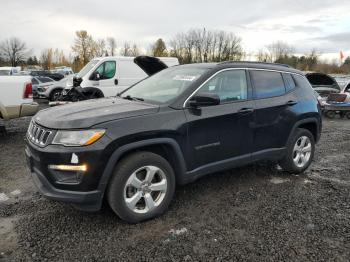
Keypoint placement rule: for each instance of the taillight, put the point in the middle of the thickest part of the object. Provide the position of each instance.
(28, 91)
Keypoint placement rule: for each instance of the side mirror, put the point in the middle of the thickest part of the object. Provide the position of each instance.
(95, 76)
(204, 99)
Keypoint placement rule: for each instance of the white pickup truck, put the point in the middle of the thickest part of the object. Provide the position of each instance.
(16, 97)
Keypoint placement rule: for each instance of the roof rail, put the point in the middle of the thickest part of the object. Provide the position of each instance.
(252, 62)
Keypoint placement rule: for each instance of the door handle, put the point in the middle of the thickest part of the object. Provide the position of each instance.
(116, 82)
(246, 111)
(291, 103)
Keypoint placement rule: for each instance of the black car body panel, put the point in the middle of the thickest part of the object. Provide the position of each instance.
(149, 64)
(89, 113)
(196, 141)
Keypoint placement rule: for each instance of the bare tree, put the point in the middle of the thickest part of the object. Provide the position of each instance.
(46, 58)
(263, 56)
(14, 50)
(111, 46)
(100, 47)
(126, 49)
(135, 51)
(199, 45)
(279, 50)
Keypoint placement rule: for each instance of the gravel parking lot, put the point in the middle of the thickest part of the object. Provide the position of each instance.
(256, 213)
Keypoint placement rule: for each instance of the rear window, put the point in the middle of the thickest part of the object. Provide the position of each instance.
(267, 84)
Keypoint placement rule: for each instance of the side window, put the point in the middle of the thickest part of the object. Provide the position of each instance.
(229, 85)
(99, 69)
(109, 71)
(45, 79)
(267, 83)
(106, 70)
(289, 81)
(301, 81)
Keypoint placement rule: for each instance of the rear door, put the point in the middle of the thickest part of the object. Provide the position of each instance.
(274, 108)
(221, 132)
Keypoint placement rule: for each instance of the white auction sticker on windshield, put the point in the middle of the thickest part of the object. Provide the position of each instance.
(184, 78)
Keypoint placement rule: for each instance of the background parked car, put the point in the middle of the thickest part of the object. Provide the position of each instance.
(63, 70)
(16, 99)
(54, 76)
(9, 71)
(113, 75)
(46, 87)
(323, 84)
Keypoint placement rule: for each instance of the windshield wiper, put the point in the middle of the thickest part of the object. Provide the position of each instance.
(133, 98)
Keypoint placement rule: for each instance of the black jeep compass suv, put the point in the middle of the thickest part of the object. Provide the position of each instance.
(172, 128)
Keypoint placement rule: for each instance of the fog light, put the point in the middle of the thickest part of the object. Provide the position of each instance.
(81, 168)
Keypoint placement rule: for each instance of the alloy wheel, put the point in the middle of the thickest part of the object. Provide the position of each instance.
(302, 151)
(145, 189)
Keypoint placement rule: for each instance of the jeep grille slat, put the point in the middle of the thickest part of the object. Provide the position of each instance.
(38, 135)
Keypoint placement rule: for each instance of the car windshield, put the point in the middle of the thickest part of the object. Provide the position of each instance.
(4, 72)
(87, 68)
(165, 85)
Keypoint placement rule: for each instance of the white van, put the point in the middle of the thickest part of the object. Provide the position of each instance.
(112, 75)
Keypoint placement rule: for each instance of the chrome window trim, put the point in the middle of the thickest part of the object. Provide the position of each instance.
(237, 68)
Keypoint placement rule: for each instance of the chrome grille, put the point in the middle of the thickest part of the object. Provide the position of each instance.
(38, 135)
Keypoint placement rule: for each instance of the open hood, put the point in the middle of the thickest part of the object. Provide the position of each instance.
(323, 83)
(149, 64)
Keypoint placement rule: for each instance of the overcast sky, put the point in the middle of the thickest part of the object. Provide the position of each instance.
(320, 24)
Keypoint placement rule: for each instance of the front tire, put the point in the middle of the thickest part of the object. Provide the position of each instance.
(142, 187)
(299, 153)
(55, 95)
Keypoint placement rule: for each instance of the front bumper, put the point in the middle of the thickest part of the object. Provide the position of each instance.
(86, 201)
(84, 195)
(42, 94)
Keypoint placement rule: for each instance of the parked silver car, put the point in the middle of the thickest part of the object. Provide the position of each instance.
(46, 87)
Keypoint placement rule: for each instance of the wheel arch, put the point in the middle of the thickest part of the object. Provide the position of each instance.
(311, 124)
(165, 147)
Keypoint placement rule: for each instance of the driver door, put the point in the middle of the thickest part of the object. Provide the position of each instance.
(106, 76)
(222, 132)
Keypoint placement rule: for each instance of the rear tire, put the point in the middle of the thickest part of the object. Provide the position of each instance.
(347, 115)
(142, 187)
(299, 153)
(330, 114)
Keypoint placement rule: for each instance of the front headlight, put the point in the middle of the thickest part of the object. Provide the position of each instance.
(77, 138)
